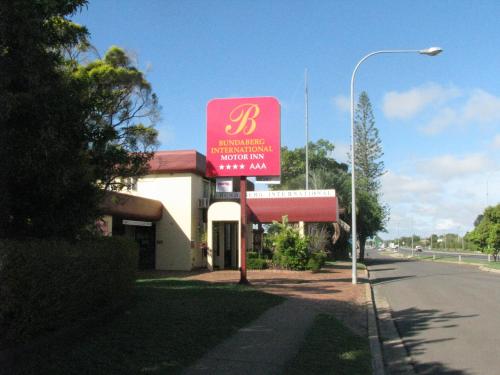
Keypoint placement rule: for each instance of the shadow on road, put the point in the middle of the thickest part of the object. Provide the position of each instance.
(409, 323)
(413, 324)
(412, 320)
(373, 262)
(386, 280)
(433, 368)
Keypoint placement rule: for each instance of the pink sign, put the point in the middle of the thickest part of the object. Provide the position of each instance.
(243, 137)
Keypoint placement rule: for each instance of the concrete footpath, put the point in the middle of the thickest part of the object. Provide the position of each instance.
(267, 344)
(263, 347)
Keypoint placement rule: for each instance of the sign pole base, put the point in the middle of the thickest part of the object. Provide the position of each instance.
(243, 230)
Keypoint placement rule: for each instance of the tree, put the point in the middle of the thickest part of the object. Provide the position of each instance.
(486, 234)
(43, 178)
(120, 100)
(370, 218)
(371, 215)
(67, 130)
(478, 220)
(493, 240)
(368, 147)
(324, 171)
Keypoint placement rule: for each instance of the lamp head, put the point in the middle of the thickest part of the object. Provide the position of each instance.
(433, 51)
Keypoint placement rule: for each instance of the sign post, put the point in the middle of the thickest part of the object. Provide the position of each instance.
(243, 139)
(243, 229)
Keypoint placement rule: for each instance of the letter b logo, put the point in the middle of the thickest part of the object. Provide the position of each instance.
(243, 117)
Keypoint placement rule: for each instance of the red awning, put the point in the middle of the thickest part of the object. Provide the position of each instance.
(307, 209)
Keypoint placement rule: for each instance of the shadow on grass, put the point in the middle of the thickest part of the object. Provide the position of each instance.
(170, 325)
(331, 348)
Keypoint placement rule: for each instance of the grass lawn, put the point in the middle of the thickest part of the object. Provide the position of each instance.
(478, 262)
(171, 324)
(331, 348)
(494, 265)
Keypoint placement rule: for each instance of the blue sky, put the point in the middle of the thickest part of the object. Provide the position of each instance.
(438, 117)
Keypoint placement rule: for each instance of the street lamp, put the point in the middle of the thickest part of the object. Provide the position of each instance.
(433, 51)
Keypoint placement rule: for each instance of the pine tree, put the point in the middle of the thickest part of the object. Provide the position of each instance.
(368, 147)
(371, 213)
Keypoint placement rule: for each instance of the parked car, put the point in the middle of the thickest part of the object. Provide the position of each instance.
(418, 248)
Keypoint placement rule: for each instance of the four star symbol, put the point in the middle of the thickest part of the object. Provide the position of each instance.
(229, 167)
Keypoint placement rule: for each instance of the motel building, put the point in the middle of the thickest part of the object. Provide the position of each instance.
(182, 223)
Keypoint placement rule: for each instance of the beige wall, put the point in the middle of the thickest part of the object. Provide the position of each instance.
(225, 212)
(176, 233)
(219, 212)
(197, 226)
(108, 220)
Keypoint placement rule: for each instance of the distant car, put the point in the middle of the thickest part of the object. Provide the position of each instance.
(418, 248)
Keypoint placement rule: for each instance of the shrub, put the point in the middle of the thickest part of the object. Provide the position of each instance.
(318, 241)
(290, 248)
(317, 260)
(252, 255)
(319, 238)
(46, 285)
(256, 261)
(257, 264)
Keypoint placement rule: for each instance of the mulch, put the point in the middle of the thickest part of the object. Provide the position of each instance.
(329, 291)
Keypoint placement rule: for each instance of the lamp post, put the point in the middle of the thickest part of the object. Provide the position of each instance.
(433, 51)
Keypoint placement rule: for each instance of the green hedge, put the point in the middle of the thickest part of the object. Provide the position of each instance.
(317, 260)
(256, 262)
(46, 285)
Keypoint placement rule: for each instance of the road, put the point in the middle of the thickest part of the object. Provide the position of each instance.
(441, 253)
(448, 315)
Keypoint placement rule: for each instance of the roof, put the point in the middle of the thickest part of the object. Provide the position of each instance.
(181, 161)
(131, 206)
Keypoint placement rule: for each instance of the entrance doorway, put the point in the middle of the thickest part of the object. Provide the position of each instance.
(145, 237)
(144, 233)
(225, 244)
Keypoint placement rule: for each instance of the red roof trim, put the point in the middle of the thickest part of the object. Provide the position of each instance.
(184, 161)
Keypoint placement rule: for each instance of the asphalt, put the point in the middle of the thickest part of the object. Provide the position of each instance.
(445, 314)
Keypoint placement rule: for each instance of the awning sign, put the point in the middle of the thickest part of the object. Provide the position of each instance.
(243, 137)
(224, 185)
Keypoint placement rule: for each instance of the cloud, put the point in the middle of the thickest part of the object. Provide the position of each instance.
(396, 187)
(496, 141)
(340, 152)
(482, 107)
(342, 102)
(447, 224)
(447, 167)
(406, 105)
(431, 201)
(441, 121)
